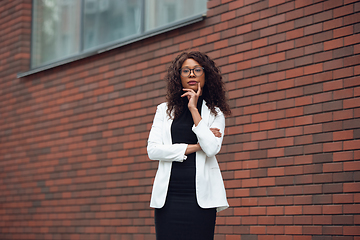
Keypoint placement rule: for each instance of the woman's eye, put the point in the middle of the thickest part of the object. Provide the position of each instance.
(185, 70)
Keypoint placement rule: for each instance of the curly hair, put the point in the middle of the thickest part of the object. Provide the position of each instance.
(213, 91)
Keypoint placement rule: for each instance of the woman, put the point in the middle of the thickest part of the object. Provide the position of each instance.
(186, 134)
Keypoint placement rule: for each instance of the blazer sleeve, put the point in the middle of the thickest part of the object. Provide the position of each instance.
(156, 147)
(210, 144)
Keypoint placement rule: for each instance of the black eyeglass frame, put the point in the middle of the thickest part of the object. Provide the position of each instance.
(193, 70)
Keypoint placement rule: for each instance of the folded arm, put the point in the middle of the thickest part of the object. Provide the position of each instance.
(209, 142)
(156, 148)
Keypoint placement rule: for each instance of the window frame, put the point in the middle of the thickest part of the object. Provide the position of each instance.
(111, 45)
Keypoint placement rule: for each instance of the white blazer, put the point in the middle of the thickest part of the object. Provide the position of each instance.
(210, 190)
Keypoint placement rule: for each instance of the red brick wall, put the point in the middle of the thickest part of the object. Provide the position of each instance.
(73, 161)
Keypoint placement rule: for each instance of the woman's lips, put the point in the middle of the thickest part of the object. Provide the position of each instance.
(192, 82)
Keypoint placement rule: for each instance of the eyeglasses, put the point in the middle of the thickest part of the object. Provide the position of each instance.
(198, 71)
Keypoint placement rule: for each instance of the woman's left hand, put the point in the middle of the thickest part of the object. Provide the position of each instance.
(216, 132)
(192, 96)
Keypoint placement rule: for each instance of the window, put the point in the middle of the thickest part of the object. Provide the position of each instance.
(63, 29)
(163, 12)
(109, 20)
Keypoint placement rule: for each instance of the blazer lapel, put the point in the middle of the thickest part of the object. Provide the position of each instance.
(205, 113)
(167, 129)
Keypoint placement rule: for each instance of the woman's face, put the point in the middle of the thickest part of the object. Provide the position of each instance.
(193, 79)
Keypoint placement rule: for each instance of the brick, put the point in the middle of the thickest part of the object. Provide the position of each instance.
(323, 16)
(323, 97)
(316, 108)
(351, 166)
(332, 4)
(267, 31)
(259, 43)
(342, 198)
(341, 32)
(331, 24)
(303, 61)
(294, 72)
(351, 40)
(266, 220)
(332, 209)
(313, 29)
(303, 80)
(259, 6)
(291, 151)
(276, 76)
(315, 128)
(285, 46)
(243, 29)
(275, 230)
(312, 9)
(303, 21)
(236, 58)
(346, 51)
(332, 126)
(322, 137)
(251, 36)
(287, 65)
(314, 88)
(352, 60)
(294, 92)
(251, 17)
(356, 28)
(351, 209)
(351, 123)
(228, 15)
(334, 230)
(350, 230)
(312, 210)
(343, 220)
(277, 19)
(243, 11)
(302, 220)
(283, 220)
(323, 220)
(315, 148)
(336, 43)
(351, 103)
(276, 57)
(351, 82)
(333, 188)
(343, 94)
(324, 56)
(293, 14)
(351, 19)
(275, 2)
(351, 187)
(314, 48)
(236, 5)
(321, 37)
(348, 145)
(341, 115)
(331, 147)
(259, 61)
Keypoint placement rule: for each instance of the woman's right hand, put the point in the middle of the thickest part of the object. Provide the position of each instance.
(191, 148)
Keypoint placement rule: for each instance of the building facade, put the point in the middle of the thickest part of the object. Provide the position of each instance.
(73, 161)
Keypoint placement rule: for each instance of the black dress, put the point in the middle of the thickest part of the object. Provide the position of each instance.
(181, 217)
